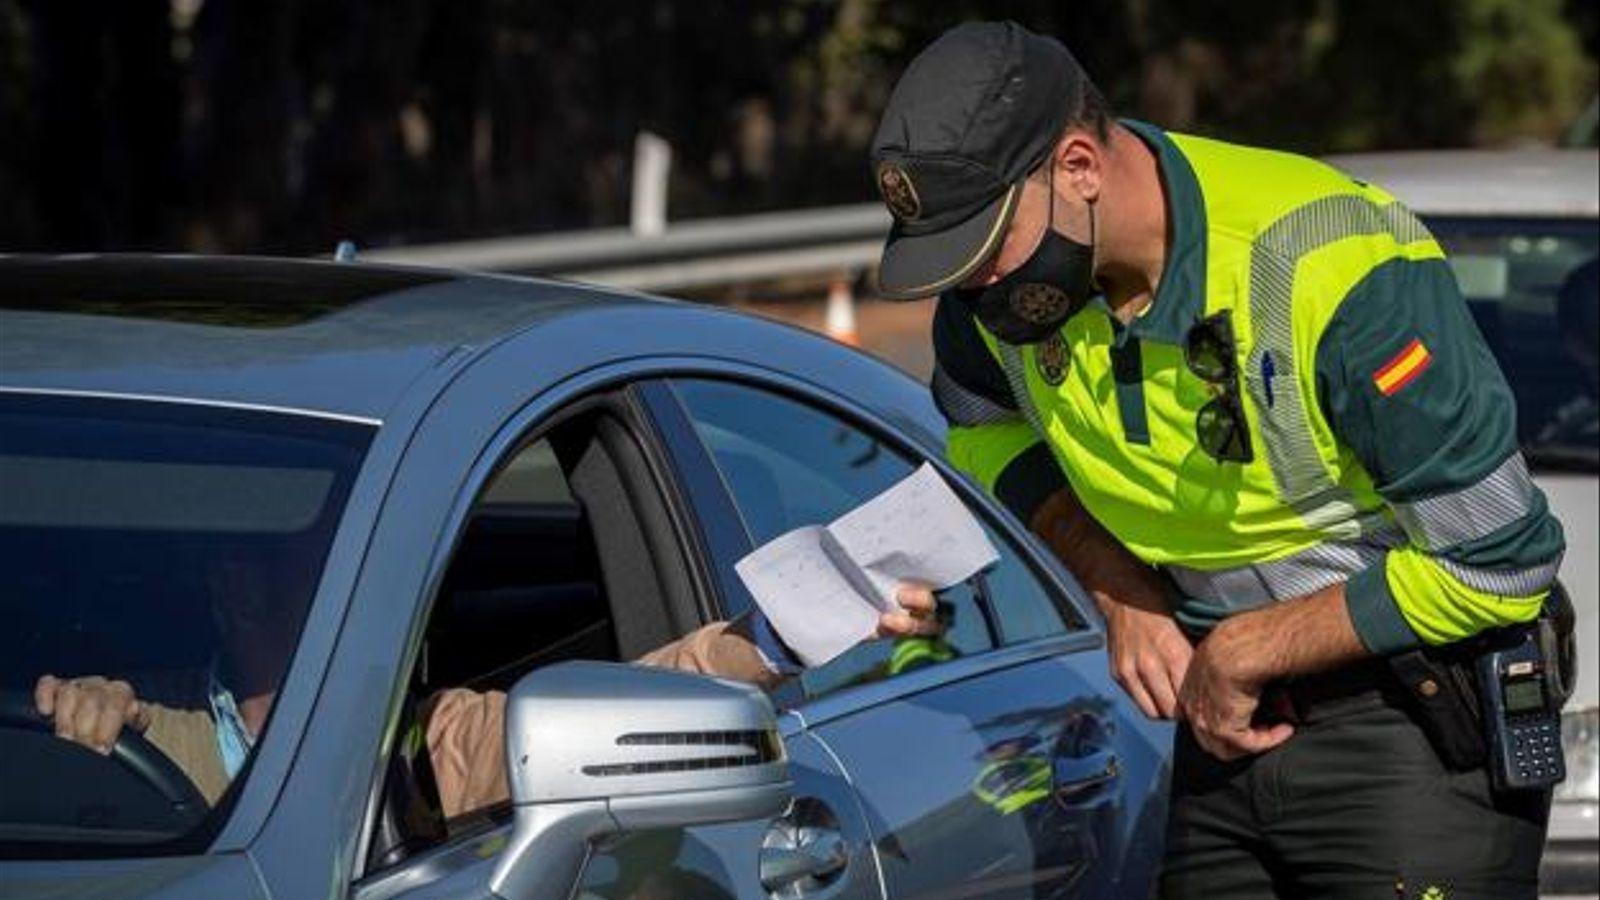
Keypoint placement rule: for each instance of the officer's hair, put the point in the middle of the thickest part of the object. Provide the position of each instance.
(1090, 112)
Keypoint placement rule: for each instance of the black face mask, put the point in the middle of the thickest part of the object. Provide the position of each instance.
(1039, 296)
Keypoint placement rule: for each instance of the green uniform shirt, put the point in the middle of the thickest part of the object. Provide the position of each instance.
(1384, 433)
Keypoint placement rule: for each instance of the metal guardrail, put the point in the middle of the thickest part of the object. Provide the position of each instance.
(840, 239)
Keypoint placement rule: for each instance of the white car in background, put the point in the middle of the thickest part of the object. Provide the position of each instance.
(1522, 228)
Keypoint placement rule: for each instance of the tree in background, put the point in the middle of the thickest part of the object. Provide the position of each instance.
(230, 125)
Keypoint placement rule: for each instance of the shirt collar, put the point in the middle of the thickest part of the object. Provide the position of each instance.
(1180, 297)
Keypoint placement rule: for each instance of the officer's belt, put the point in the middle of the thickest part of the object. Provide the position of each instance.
(1257, 584)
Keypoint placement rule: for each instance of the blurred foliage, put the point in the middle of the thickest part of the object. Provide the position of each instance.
(285, 126)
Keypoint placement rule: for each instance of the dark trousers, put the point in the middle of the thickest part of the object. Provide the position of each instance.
(1355, 804)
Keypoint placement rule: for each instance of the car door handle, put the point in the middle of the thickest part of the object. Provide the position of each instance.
(820, 856)
(1078, 778)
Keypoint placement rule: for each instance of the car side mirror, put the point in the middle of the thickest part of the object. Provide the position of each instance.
(598, 749)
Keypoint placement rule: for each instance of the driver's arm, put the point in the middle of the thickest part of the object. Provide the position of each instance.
(92, 711)
(745, 649)
(466, 729)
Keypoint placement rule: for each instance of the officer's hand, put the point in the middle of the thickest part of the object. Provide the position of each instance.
(1149, 656)
(1218, 701)
(916, 615)
(90, 711)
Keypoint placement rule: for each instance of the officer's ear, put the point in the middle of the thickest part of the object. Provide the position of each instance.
(1080, 164)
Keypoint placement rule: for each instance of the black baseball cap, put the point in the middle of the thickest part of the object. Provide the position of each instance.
(973, 114)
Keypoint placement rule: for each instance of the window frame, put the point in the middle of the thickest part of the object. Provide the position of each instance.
(615, 396)
(719, 513)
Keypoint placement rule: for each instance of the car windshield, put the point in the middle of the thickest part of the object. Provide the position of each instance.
(160, 559)
(1533, 290)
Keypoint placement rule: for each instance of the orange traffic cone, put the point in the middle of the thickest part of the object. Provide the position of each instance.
(840, 323)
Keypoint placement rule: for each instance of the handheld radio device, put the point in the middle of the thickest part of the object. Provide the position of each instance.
(1522, 718)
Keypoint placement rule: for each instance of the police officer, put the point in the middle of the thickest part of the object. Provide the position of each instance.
(1240, 395)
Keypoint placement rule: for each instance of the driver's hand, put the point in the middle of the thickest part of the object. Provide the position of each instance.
(90, 711)
(916, 615)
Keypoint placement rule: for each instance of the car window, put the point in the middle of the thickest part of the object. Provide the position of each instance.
(788, 464)
(532, 476)
(522, 590)
(1532, 286)
(524, 581)
(554, 562)
(174, 548)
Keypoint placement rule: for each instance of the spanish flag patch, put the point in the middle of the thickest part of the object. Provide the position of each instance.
(1400, 371)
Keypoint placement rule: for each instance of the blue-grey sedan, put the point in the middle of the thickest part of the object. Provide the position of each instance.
(348, 488)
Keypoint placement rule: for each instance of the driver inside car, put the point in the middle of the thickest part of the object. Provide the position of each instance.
(209, 728)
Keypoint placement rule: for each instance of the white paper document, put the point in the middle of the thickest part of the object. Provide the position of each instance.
(823, 586)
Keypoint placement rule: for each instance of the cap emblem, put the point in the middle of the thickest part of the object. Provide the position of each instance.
(898, 193)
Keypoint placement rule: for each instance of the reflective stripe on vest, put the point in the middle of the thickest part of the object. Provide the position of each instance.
(1303, 480)
(966, 408)
(1011, 362)
(1500, 498)
(1247, 587)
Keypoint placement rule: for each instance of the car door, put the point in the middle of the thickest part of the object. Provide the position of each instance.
(572, 526)
(751, 860)
(999, 761)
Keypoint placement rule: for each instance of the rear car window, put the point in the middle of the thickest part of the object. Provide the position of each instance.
(1534, 288)
(172, 548)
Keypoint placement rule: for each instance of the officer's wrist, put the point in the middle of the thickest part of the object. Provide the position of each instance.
(1235, 646)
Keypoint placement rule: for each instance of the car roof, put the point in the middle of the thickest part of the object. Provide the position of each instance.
(335, 338)
(1533, 183)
